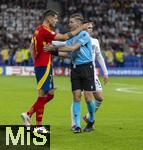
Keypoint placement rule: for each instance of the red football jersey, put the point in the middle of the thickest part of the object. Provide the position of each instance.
(42, 36)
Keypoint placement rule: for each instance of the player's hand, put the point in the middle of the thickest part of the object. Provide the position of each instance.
(49, 47)
(106, 79)
(85, 26)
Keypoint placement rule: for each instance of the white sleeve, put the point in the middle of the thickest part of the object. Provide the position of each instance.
(59, 43)
(100, 59)
(102, 63)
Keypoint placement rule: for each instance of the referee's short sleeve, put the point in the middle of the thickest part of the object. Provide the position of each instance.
(84, 38)
(69, 42)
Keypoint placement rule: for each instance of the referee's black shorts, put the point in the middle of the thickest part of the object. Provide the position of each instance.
(82, 77)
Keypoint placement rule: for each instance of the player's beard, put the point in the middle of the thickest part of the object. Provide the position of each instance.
(52, 26)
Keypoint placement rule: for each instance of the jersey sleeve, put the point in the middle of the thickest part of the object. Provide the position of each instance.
(68, 42)
(59, 43)
(49, 35)
(53, 34)
(98, 51)
(83, 38)
(102, 64)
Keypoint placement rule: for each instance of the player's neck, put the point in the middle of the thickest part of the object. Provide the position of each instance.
(47, 25)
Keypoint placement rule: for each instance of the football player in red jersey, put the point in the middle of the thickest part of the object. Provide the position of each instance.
(44, 35)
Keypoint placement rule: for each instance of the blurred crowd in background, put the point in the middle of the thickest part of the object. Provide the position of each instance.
(118, 27)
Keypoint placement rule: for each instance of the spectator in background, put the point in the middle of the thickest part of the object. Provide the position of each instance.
(25, 56)
(117, 21)
(5, 55)
(66, 62)
(119, 58)
(18, 57)
(109, 55)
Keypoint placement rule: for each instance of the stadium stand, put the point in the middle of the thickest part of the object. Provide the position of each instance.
(118, 26)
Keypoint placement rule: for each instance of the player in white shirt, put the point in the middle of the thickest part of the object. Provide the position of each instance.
(98, 94)
(97, 55)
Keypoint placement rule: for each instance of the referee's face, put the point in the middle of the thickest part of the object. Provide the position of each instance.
(73, 24)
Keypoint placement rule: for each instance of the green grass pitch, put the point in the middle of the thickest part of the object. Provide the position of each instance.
(119, 121)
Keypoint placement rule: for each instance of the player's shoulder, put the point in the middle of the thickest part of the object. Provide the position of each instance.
(94, 40)
(83, 33)
(45, 29)
(39, 28)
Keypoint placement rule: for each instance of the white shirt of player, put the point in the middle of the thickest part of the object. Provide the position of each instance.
(97, 55)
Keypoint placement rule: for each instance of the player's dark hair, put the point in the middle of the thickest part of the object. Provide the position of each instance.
(50, 12)
(87, 21)
(78, 17)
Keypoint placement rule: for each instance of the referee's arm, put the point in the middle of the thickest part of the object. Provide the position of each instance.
(70, 48)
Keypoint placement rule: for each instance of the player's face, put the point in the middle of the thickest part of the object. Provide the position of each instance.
(53, 20)
(90, 29)
(73, 24)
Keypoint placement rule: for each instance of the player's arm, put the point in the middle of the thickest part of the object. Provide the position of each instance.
(83, 39)
(101, 61)
(59, 43)
(70, 48)
(32, 49)
(68, 35)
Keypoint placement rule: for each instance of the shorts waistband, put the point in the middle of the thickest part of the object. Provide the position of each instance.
(80, 65)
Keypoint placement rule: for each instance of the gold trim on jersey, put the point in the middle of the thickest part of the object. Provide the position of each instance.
(48, 29)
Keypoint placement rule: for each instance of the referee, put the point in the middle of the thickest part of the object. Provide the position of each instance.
(82, 72)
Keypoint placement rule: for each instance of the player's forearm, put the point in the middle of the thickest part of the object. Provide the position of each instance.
(32, 51)
(59, 43)
(75, 32)
(69, 35)
(102, 64)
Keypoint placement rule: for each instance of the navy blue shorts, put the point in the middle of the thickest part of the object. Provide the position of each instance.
(44, 77)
